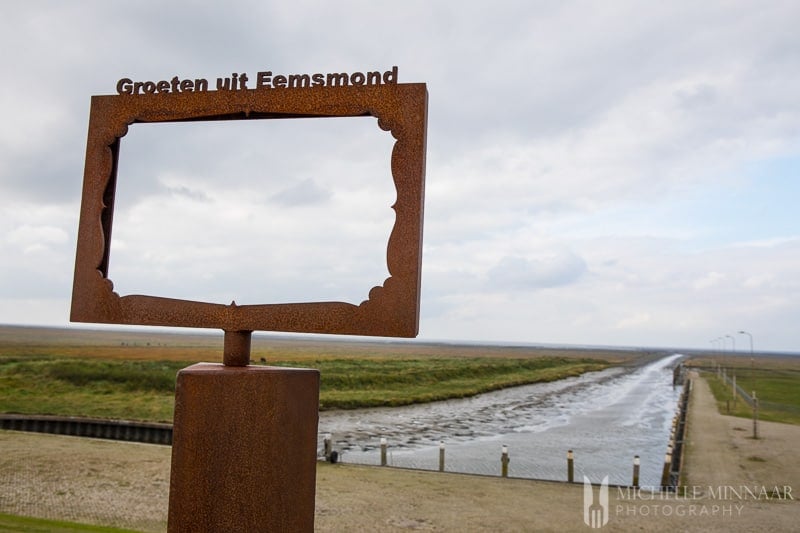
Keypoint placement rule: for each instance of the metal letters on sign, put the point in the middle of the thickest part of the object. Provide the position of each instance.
(390, 310)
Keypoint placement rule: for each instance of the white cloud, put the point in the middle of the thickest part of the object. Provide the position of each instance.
(634, 321)
(579, 160)
(27, 235)
(708, 280)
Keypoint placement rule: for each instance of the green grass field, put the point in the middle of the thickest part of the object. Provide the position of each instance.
(144, 390)
(22, 524)
(777, 389)
(132, 375)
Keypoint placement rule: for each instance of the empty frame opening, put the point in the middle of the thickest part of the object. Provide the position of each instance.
(253, 211)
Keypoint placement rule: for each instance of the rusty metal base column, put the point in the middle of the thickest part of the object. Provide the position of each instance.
(244, 449)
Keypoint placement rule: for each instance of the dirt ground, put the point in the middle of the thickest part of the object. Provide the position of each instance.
(730, 479)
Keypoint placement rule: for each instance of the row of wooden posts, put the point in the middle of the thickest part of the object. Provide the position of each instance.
(674, 456)
(666, 473)
(675, 446)
(504, 460)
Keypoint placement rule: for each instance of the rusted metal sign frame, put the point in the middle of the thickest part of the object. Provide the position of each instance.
(390, 310)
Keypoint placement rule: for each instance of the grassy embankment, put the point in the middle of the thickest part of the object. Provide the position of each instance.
(777, 387)
(135, 379)
(144, 390)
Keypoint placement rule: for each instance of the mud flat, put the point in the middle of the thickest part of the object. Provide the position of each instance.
(605, 417)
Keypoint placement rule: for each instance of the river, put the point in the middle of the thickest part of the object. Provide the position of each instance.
(604, 417)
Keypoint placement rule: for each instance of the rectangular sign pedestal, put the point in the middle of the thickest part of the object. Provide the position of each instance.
(244, 449)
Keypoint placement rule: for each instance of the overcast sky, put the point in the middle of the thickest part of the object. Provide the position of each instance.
(604, 173)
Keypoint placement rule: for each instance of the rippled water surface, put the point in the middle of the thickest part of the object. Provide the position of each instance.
(605, 417)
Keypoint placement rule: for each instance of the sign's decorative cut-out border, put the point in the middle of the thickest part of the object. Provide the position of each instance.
(391, 309)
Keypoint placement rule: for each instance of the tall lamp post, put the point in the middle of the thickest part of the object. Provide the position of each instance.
(751, 345)
(733, 346)
(714, 351)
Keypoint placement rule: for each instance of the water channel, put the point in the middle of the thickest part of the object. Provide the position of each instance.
(605, 417)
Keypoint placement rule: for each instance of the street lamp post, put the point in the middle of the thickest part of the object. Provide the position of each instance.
(733, 346)
(714, 352)
(751, 345)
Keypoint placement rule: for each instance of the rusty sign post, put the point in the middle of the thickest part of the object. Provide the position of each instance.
(244, 441)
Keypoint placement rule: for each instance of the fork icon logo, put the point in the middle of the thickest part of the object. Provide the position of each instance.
(595, 513)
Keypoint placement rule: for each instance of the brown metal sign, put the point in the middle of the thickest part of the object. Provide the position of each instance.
(390, 310)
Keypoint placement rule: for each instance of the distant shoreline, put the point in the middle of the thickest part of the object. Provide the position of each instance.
(106, 336)
(100, 334)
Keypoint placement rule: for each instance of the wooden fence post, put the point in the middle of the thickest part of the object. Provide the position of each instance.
(755, 416)
(667, 468)
(326, 440)
(570, 467)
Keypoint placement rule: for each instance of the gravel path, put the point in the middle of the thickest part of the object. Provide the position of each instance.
(126, 485)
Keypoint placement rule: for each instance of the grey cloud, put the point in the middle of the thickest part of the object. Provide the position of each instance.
(190, 193)
(304, 192)
(520, 273)
(697, 97)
